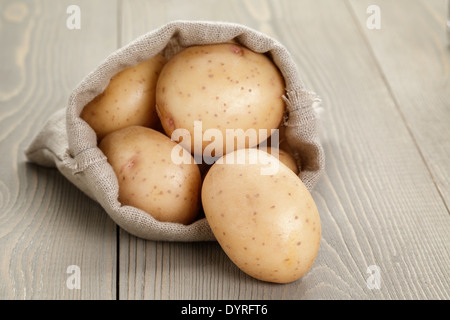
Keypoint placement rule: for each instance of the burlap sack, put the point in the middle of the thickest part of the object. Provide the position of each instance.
(69, 144)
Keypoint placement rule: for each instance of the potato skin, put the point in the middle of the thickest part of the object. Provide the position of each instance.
(129, 99)
(268, 225)
(225, 86)
(286, 153)
(147, 177)
(286, 158)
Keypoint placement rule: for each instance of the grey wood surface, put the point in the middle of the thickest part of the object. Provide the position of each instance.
(46, 224)
(383, 200)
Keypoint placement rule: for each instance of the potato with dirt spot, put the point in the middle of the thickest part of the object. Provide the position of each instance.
(129, 99)
(268, 225)
(148, 178)
(225, 86)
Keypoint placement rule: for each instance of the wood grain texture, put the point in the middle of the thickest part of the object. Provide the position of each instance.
(417, 70)
(46, 224)
(378, 203)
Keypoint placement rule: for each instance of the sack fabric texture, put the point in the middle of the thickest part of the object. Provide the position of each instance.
(69, 144)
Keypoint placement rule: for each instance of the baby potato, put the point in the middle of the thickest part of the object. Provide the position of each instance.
(148, 178)
(282, 141)
(286, 154)
(284, 157)
(129, 99)
(225, 86)
(267, 224)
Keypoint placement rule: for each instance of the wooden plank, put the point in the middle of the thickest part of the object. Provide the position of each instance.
(412, 51)
(378, 204)
(47, 224)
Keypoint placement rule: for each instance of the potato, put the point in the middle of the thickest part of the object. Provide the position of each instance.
(148, 178)
(284, 157)
(282, 141)
(286, 153)
(268, 225)
(225, 86)
(129, 99)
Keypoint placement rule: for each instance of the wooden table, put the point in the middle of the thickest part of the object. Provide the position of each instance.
(384, 198)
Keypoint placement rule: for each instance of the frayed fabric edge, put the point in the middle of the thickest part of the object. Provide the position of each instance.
(303, 105)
